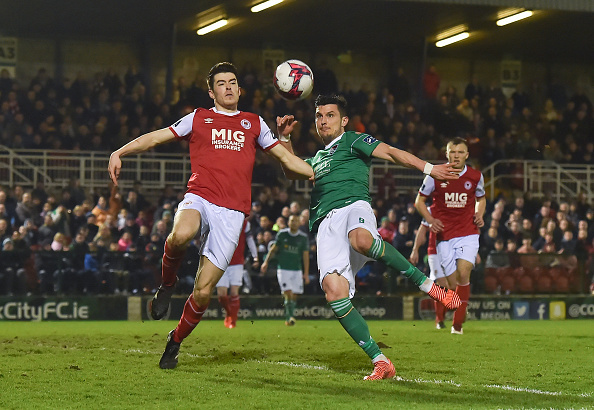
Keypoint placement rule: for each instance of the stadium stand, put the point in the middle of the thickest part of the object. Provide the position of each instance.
(73, 119)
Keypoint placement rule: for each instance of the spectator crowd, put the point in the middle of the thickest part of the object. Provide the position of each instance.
(74, 241)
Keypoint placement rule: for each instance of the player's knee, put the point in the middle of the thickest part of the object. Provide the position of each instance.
(361, 240)
(335, 287)
(201, 296)
(179, 239)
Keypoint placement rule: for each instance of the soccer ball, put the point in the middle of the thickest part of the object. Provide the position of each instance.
(293, 79)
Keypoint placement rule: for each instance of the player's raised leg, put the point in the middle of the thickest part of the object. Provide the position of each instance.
(378, 249)
(185, 226)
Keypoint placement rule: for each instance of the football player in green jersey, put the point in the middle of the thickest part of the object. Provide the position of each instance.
(345, 225)
(291, 250)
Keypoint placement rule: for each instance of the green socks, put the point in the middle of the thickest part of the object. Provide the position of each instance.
(289, 308)
(386, 253)
(355, 325)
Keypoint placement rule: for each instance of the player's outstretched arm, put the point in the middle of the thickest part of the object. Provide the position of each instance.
(293, 166)
(140, 144)
(292, 169)
(404, 158)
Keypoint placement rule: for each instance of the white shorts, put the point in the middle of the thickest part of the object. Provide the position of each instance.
(435, 268)
(465, 247)
(335, 253)
(219, 230)
(233, 276)
(290, 280)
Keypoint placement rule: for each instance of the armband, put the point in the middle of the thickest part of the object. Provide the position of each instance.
(282, 138)
(428, 168)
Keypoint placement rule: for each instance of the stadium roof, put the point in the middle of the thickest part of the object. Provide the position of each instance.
(561, 30)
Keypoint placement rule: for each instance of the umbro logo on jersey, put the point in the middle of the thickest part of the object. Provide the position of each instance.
(444, 184)
(208, 120)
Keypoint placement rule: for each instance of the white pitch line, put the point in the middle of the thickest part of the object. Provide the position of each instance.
(397, 378)
(299, 365)
(436, 381)
(535, 391)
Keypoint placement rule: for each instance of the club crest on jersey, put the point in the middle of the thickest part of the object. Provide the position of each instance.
(467, 185)
(333, 150)
(208, 120)
(369, 139)
(246, 124)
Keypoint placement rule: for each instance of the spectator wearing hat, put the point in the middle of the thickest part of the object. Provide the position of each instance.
(78, 219)
(91, 226)
(131, 226)
(256, 213)
(12, 272)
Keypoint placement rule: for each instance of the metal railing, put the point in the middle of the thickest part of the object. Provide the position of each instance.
(56, 168)
(157, 170)
(542, 179)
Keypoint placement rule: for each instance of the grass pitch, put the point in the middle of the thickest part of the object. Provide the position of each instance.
(313, 365)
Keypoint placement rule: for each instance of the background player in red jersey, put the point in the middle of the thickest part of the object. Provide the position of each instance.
(229, 284)
(456, 216)
(222, 144)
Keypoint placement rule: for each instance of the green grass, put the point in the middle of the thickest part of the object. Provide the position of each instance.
(314, 365)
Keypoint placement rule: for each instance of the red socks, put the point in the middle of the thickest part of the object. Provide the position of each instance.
(190, 318)
(231, 306)
(234, 308)
(440, 310)
(460, 314)
(171, 261)
(224, 302)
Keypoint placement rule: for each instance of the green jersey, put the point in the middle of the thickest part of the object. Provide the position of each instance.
(290, 246)
(341, 174)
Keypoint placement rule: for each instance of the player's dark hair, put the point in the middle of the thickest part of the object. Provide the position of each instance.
(339, 100)
(224, 67)
(458, 141)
